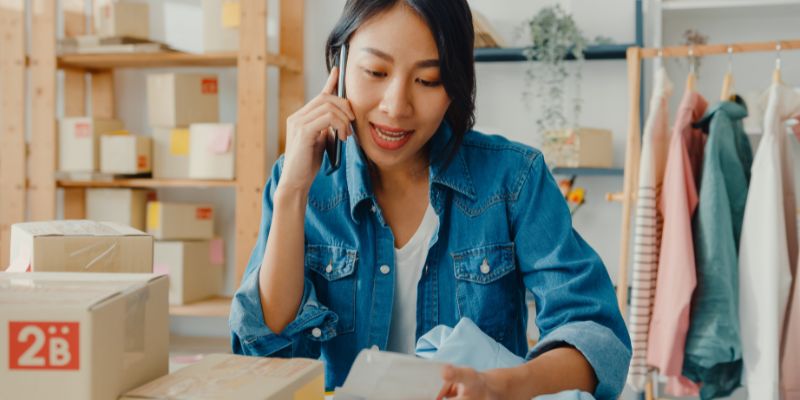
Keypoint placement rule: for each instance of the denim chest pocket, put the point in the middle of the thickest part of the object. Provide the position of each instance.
(487, 289)
(334, 280)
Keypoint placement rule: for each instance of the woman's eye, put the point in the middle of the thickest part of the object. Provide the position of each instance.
(374, 74)
(427, 83)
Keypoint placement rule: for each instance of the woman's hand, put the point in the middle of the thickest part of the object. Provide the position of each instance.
(469, 384)
(307, 132)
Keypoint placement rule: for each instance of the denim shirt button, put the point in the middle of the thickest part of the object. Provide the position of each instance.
(329, 268)
(385, 269)
(485, 268)
(316, 332)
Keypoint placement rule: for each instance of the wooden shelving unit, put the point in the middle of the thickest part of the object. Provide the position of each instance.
(145, 183)
(214, 307)
(28, 179)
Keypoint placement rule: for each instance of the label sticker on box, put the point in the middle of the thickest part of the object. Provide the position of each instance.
(209, 86)
(216, 251)
(179, 142)
(83, 130)
(219, 142)
(204, 213)
(153, 216)
(142, 161)
(43, 345)
(160, 269)
(230, 14)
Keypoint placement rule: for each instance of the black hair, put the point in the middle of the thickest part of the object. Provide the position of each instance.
(450, 21)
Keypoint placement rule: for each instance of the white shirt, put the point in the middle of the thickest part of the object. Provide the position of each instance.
(409, 263)
(768, 248)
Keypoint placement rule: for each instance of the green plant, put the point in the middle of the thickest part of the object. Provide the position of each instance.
(553, 35)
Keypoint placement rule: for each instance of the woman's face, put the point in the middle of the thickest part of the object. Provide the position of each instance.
(394, 86)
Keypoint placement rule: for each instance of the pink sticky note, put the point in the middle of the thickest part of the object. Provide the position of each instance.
(220, 141)
(216, 251)
(160, 269)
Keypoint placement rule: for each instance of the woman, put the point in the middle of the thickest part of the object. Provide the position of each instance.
(425, 222)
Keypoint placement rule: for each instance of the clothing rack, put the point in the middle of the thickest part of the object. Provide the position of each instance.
(634, 57)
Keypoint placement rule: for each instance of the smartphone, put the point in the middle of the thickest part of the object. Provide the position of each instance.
(334, 146)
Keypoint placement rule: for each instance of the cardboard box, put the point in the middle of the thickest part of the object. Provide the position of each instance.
(80, 246)
(180, 221)
(171, 153)
(125, 154)
(122, 206)
(581, 148)
(221, 25)
(121, 18)
(81, 336)
(195, 268)
(79, 142)
(211, 151)
(225, 376)
(180, 99)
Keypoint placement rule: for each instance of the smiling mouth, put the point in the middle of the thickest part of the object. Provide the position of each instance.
(391, 135)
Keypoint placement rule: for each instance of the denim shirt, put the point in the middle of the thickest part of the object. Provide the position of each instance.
(504, 228)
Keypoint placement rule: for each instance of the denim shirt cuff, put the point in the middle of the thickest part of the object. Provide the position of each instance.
(251, 336)
(606, 353)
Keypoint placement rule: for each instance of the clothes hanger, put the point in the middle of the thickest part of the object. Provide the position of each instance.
(727, 81)
(691, 79)
(776, 75)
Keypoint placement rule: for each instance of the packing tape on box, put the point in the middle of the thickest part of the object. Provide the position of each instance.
(99, 254)
(135, 326)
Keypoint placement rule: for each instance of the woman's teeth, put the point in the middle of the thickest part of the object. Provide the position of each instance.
(390, 137)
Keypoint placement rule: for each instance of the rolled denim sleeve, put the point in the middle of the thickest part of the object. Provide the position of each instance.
(313, 323)
(575, 300)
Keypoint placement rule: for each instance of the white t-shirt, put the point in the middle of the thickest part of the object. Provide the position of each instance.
(409, 262)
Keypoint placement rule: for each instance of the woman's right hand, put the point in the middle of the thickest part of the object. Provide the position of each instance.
(307, 132)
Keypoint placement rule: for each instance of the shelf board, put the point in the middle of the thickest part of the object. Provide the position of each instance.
(213, 307)
(146, 183)
(511, 54)
(588, 171)
(720, 4)
(165, 59)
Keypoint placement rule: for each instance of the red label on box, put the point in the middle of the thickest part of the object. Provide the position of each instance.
(209, 86)
(204, 213)
(83, 129)
(44, 345)
(141, 162)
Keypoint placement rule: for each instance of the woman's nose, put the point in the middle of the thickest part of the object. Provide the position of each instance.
(396, 102)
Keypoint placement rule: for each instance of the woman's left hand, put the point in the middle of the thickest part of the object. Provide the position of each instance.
(469, 384)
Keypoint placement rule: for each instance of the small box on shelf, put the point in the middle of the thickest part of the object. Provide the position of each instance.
(123, 206)
(579, 148)
(170, 153)
(118, 18)
(180, 99)
(211, 151)
(79, 142)
(195, 268)
(125, 154)
(180, 221)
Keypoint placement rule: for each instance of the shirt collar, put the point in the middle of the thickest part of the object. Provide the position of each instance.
(454, 175)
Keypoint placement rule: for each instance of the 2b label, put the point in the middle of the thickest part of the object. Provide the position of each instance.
(44, 345)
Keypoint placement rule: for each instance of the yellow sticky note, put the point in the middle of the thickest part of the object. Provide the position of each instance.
(231, 13)
(153, 216)
(179, 142)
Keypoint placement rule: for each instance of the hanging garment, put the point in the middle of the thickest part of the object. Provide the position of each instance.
(649, 220)
(790, 357)
(676, 271)
(768, 249)
(713, 353)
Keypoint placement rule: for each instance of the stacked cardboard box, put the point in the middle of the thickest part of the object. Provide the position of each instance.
(121, 18)
(81, 336)
(186, 249)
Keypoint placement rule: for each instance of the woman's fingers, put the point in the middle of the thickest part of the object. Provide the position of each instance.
(330, 84)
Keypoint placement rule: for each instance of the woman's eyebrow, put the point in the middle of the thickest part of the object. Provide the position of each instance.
(419, 64)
